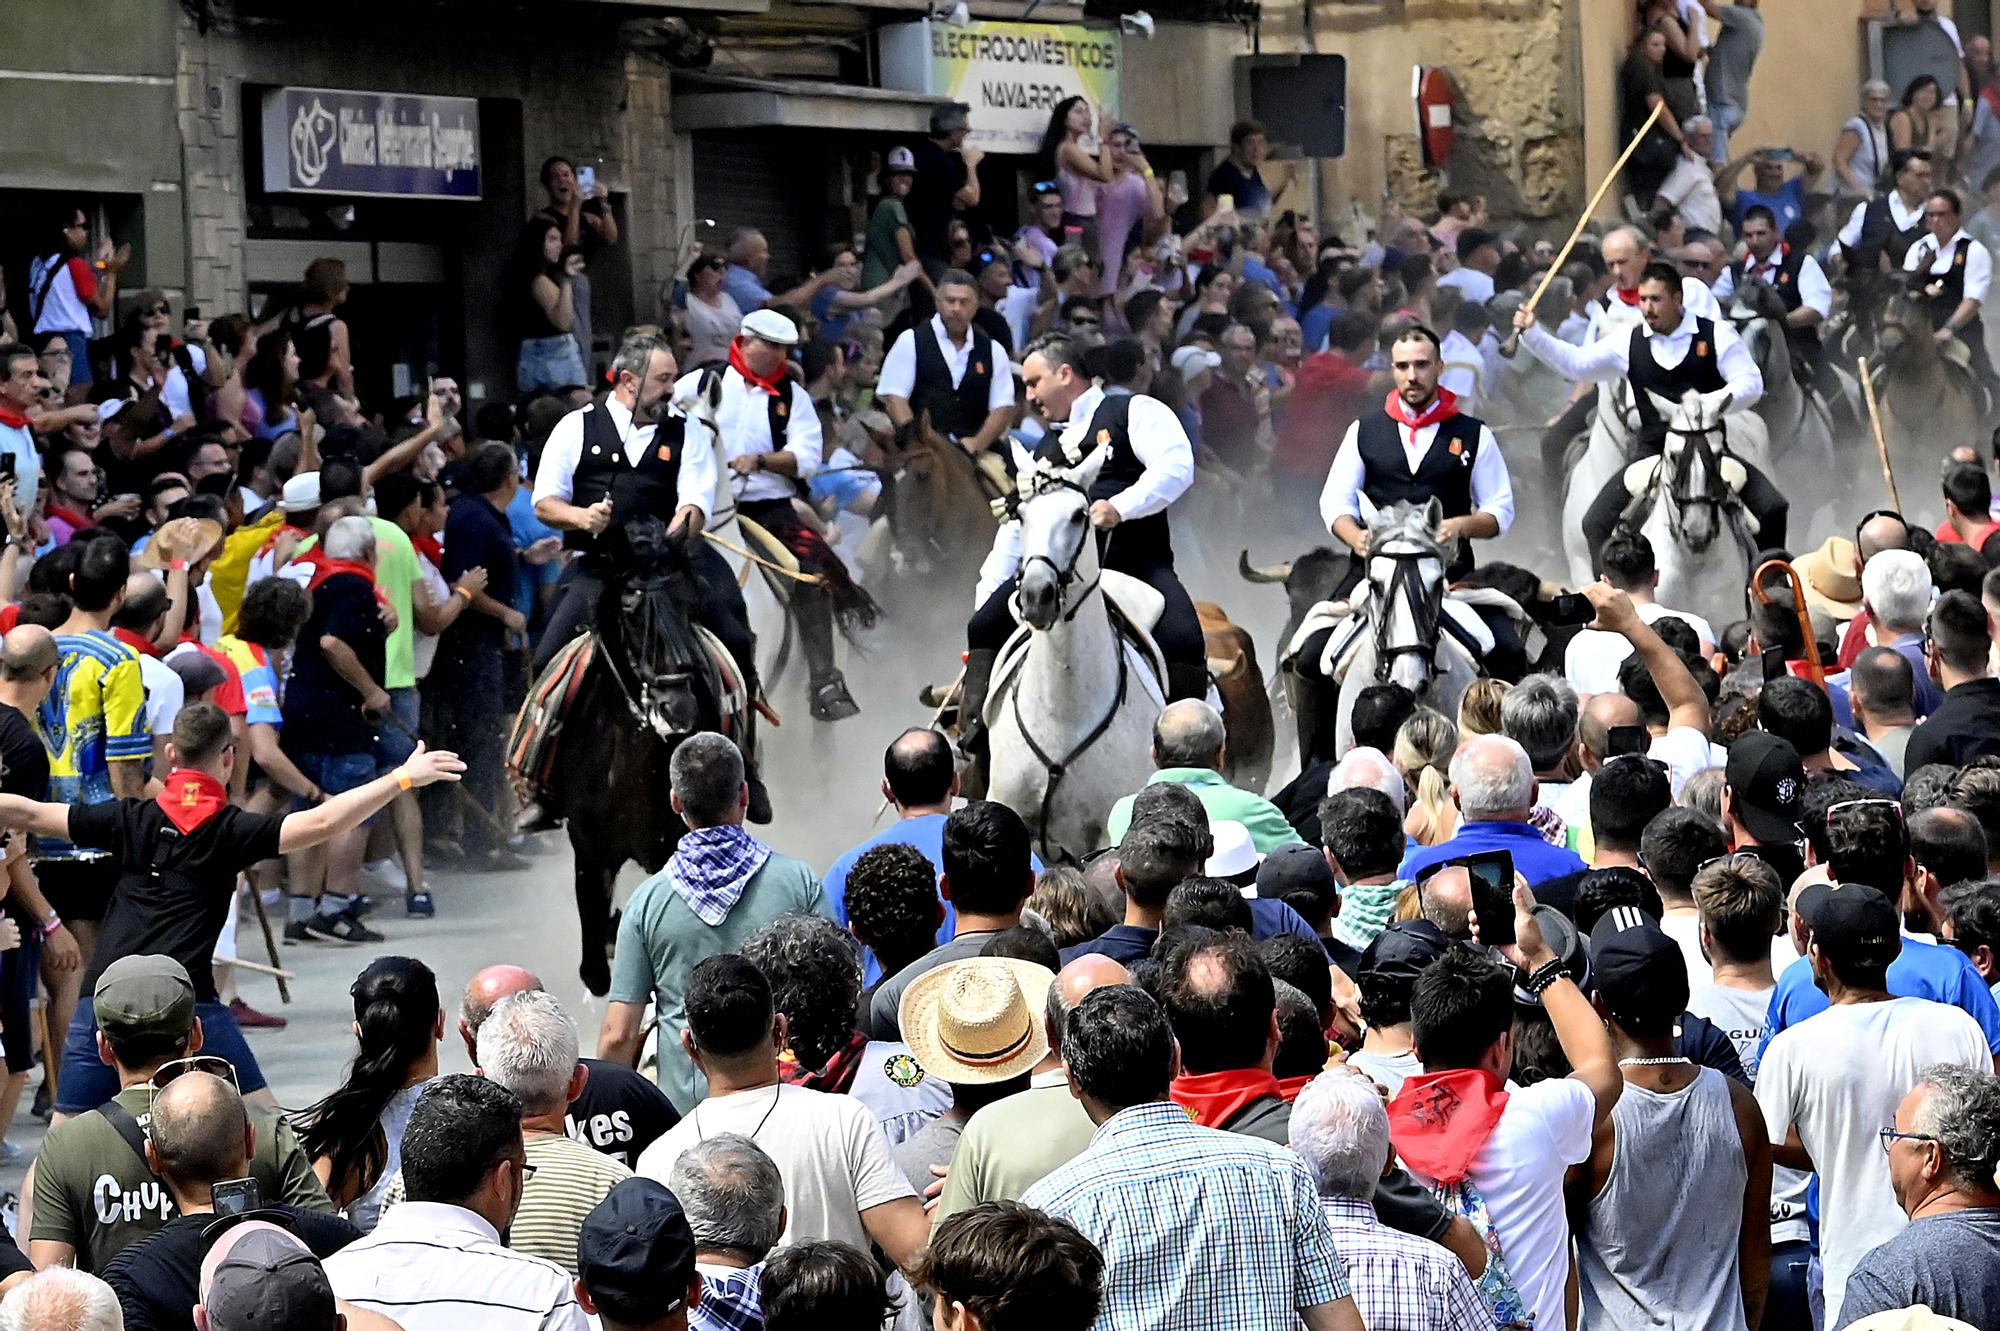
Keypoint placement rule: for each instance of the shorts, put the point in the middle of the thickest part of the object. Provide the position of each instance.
(87, 1081)
(20, 974)
(843, 486)
(337, 773)
(78, 889)
(395, 743)
(79, 354)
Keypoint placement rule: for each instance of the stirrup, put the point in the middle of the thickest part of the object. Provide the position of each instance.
(831, 700)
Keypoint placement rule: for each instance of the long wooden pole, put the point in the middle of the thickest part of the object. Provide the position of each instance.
(1513, 342)
(1875, 425)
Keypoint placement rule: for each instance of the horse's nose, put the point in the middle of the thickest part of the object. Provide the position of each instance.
(1038, 601)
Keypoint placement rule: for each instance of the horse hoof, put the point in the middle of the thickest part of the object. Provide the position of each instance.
(595, 972)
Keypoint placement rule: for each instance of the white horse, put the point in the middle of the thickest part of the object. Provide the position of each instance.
(1689, 510)
(1070, 713)
(1614, 436)
(1799, 426)
(1400, 634)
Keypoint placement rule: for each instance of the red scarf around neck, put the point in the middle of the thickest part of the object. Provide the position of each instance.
(430, 549)
(141, 645)
(1214, 1099)
(9, 416)
(773, 383)
(190, 798)
(324, 568)
(1289, 1087)
(1442, 408)
(1629, 297)
(78, 521)
(1440, 1121)
(835, 1077)
(280, 530)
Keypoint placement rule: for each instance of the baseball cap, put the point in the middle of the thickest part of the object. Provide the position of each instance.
(1192, 360)
(1292, 869)
(1400, 952)
(144, 995)
(902, 160)
(1767, 785)
(1852, 921)
(266, 1280)
(198, 672)
(1640, 973)
(300, 493)
(635, 1252)
(770, 326)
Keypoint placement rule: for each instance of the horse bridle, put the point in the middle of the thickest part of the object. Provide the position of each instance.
(1675, 477)
(1045, 480)
(1426, 610)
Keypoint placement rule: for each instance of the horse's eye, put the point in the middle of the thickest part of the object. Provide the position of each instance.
(1076, 519)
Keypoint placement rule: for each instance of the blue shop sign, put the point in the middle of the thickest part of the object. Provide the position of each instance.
(330, 141)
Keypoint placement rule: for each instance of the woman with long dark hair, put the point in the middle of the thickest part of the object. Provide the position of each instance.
(540, 309)
(355, 1136)
(1077, 169)
(269, 380)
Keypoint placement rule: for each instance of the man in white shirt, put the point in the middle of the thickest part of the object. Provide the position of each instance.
(1689, 189)
(1793, 273)
(1890, 222)
(951, 371)
(1478, 257)
(1591, 661)
(1671, 352)
(1461, 1018)
(21, 385)
(1956, 271)
(1829, 1084)
(436, 1262)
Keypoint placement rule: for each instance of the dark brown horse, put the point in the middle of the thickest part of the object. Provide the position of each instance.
(941, 515)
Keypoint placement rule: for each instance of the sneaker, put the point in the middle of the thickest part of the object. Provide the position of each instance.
(420, 905)
(361, 904)
(296, 932)
(341, 928)
(250, 1018)
(386, 874)
(534, 817)
(10, 1152)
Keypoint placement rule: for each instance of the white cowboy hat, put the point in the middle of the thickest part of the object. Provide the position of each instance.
(977, 1021)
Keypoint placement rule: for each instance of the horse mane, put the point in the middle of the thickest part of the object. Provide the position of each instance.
(1405, 521)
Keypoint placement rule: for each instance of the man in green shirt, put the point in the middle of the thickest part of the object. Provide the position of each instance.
(90, 1194)
(1188, 743)
(721, 886)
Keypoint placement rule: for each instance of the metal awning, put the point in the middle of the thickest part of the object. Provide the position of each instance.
(707, 101)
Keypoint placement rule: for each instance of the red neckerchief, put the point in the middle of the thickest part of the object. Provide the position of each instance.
(143, 646)
(1442, 408)
(78, 521)
(835, 1077)
(771, 383)
(280, 530)
(9, 416)
(1629, 297)
(1214, 1099)
(1991, 96)
(1777, 260)
(1289, 1087)
(1440, 1121)
(324, 568)
(190, 798)
(428, 547)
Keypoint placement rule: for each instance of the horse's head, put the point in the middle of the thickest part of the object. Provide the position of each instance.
(923, 520)
(1693, 489)
(1406, 565)
(656, 657)
(1902, 327)
(1058, 556)
(1758, 312)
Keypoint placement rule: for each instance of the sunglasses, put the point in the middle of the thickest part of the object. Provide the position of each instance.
(1833, 809)
(179, 1067)
(158, 309)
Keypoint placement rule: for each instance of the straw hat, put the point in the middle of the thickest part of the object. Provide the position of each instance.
(1832, 578)
(186, 540)
(977, 1021)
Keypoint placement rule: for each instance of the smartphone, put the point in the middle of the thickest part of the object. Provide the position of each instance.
(240, 1195)
(1774, 664)
(586, 180)
(1492, 874)
(1781, 154)
(191, 313)
(1622, 740)
(6, 466)
(1224, 202)
(1570, 608)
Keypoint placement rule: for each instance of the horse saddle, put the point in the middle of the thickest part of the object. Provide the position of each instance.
(1458, 620)
(1640, 476)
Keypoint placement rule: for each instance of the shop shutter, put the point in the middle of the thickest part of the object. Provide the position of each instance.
(741, 180)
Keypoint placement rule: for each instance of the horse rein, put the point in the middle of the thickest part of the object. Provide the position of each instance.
(1065, 576)
(1426, 610)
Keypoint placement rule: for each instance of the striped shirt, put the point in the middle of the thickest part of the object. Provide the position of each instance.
(95, 715)
(1402, 1282)
(430, 1266)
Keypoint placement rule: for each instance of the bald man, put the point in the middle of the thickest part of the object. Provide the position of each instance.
(1010, 1145)
(1600, 714)
(619, 1113)
(1190, 749)
(199, 1139)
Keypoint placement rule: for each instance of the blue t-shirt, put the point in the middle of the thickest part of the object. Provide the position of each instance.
(1314, 325)
(1789, 203)
(744, 288)
(1534, 858)
(529, 579)
(1921, 970)
(1127, 943)
(832, 323)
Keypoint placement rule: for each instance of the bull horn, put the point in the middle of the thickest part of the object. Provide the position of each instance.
(1251, 573)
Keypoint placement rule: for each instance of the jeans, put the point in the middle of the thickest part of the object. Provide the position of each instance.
(396, 738)
(1786, 1307)
(337, 773)
(548, 362)
(87, 1082)
(1727, 120)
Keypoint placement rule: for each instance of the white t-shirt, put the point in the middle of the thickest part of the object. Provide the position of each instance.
(1389, 1070)
(828, 1148)
(1544, 1129)
(431, 590)
(174, 393)
(1838, 1077)
(164, 694)
(1685, 751)
(1742, 1015)
(1591, 661)
(1684, 927)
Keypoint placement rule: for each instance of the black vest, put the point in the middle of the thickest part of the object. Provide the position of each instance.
(1698, 370)
(1445, 474)
(1136, 544)
(957, 411)
(1950, 283)
(1880, 235)
(652, 486)
(1804, 342)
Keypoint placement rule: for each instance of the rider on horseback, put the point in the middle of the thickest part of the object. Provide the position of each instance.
(951, 371)
(1672, 351)
(768, 436)
(1951, 272)
(1797, 278)
(622, 458)
(1149, 464)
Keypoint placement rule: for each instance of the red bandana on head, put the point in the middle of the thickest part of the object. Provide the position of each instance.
(1440, 1121)
(773, 383)
(1629, 297)
(1442, 408)
(190, 798)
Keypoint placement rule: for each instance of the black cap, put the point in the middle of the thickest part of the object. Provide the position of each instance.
(1400, 952)
(1294, 868)
(1851, 921)
(635, 1252)
(1767, 786)
(1640, 973)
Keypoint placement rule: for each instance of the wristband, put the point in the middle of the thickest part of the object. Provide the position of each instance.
(402, 779)
(177, 565)
(460, 591)
(49, 926)
(1539, 981)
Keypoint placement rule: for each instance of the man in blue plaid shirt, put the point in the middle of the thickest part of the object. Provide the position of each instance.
(1200, 1229)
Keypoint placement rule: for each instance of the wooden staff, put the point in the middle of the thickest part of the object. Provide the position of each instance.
(275, 970)
(1513, 341)
(278, 973)
(1875, 424)
(1798, 608)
